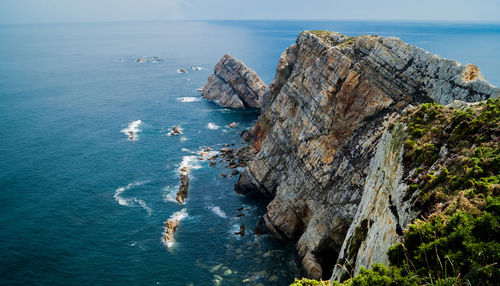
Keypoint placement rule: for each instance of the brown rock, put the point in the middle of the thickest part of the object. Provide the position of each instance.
(182, 193)
(232, 125)
(241, 232)
(226, 150)
(170, 228)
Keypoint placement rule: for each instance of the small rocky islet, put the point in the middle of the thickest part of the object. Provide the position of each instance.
(364, 143)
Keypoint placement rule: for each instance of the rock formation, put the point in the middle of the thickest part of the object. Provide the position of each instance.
(175, 131)
(182, 193)
(170, 228)
(235, 85)
(325, 157)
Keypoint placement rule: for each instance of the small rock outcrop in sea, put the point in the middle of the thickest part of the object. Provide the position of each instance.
(235, 85)
(181, 71)
(324, 159)
(183, 188)
(175, 131)
(145, 60)
(170, 228)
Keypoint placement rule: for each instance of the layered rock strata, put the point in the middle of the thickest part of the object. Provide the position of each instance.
(328, 109)
(235, 85)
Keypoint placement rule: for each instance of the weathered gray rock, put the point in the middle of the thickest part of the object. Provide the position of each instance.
(235, 85)
(382, 213)
(320, 128)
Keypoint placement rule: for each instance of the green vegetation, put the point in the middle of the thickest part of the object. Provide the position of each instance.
(328, 37)
(379, 275)
(452, 158)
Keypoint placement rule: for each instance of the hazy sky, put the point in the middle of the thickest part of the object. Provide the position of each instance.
(43, 11)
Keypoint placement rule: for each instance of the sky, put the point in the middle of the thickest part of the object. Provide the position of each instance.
(62, 11)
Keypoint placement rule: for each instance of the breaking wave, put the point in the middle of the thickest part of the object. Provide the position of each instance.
(188, 99)
(129, 202)
(132, 130)
(218, 212)
(212, 126)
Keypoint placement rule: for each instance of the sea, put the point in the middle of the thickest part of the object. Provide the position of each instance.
(82, 203)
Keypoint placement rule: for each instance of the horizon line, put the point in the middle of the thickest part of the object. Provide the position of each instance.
(416, 21)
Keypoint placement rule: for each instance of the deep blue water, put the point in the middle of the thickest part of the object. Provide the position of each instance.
(67, 91)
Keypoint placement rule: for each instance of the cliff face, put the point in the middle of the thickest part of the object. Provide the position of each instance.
(325, 156)
(235, 85)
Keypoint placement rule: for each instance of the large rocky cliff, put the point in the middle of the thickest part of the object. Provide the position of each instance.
(328, 153)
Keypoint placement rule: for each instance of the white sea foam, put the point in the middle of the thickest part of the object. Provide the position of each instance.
(170, 193)
(218, 212)
(212, 126)
(143, 205)
(132, 130)
(184, 139)
(208, 154)
(196, 68)
(129, 202)
(178, 216)
(188, 99)
(234, 229)
(191, 162)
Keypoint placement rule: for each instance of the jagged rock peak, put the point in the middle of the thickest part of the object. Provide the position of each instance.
(328, 106)
(235, 85)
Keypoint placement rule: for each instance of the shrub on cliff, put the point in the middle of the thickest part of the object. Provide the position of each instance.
(452, 158)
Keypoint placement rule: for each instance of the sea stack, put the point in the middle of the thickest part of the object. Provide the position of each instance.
(234, 85)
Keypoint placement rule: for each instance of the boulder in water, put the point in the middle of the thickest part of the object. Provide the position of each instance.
(175, 131)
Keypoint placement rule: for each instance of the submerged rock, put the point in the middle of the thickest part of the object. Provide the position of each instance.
(235, 85)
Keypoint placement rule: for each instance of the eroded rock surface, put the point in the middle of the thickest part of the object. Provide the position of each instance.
(235, 85)
(170, 228)
(332, 99)
(182, 193)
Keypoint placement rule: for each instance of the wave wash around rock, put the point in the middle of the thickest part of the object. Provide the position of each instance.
(331, 101)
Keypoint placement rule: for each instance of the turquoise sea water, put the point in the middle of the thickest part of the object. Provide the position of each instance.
(81, 204)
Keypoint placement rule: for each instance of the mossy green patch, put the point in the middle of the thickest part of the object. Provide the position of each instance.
(332, 38)
(460, 146)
